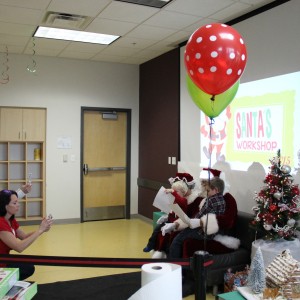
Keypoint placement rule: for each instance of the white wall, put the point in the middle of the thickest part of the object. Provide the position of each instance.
(63, 86)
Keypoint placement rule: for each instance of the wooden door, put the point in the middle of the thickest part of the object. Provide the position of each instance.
(11, 124)
(105, 171)
(34, 124)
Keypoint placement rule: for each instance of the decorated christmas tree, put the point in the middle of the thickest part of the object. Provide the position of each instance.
(278, 203)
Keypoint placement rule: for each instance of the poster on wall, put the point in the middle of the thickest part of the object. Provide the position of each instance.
(261, 119)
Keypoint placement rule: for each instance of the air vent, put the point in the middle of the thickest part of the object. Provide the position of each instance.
(66, 21)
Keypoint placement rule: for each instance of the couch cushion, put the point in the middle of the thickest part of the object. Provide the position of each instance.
(190, 246)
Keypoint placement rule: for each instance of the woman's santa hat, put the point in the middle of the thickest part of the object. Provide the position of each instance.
(186, 177)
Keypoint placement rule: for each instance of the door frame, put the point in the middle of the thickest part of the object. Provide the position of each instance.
(128, 154)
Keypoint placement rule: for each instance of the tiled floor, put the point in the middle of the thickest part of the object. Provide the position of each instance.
(113, 239)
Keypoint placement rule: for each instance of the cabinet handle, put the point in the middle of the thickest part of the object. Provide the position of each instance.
(19, 135)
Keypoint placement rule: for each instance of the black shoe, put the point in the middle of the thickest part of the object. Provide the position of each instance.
(147, 249)
(188, 288)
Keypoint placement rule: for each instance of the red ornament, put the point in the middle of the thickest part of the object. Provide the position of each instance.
(215, 57)
(295, 190)
(272, 207)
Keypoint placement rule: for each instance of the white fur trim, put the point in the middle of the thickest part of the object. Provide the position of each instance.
(20, 193)
(181, 226)
(159, 255)
(228, 241)
(212, 223)
(202, 203)
(194, 195)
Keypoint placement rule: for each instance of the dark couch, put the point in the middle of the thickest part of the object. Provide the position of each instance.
(224, 258)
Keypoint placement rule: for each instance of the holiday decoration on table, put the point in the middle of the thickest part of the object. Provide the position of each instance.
(278, 203)
(256, 277)
(284, 273)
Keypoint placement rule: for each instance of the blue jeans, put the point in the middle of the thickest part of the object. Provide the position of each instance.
(177, 244)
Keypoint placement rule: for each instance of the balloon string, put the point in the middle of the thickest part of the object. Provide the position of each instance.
(32, 68)
(4, 74)
(212, 121)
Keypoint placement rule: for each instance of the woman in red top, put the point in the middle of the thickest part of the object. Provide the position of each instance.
(11, 236)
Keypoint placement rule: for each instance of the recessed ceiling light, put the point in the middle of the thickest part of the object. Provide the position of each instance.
(74, 35)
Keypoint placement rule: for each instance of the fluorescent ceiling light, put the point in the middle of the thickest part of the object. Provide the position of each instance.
(75, 35)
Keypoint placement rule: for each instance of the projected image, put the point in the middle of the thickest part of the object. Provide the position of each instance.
(261, 119)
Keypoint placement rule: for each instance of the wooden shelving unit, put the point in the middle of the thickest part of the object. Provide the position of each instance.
(18, 159)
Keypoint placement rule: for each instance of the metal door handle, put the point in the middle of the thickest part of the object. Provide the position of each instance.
(86, 169)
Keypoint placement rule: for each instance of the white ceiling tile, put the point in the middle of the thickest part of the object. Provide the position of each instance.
(151, 32)
(36, 4)
(201, 23)
(42, 43)
(11, 49)
(75, 54)
(84, 47)
(257, 3)
(148, 53)
(13, 40)
(43, 52)
(128, 12)
(171, 20)
(134, 42)
(108, 58)
(20, 15)
(135, 60)
(231, 12)
(120, 51)
(178, 37)
(110, 26)
(145, 32)
(17, 29)
(201, 8)
(78, 7)
(162, 46)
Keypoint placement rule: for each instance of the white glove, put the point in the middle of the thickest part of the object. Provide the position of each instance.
(162, 219)
(194, 223)
(169, 227)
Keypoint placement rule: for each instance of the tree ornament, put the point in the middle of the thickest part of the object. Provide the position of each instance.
(277, 195)
(291, 222)
(286, 169)
(268, 226)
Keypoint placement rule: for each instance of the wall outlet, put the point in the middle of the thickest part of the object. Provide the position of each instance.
(173, 160)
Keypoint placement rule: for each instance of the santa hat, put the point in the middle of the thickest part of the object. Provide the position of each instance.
(204, 174)
(216, 173)
(186, 177)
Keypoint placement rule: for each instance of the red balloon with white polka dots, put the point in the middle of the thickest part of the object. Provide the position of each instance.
(215, 57)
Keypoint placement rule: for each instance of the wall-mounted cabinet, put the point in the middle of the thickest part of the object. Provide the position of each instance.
(22, 124)
(22, 156)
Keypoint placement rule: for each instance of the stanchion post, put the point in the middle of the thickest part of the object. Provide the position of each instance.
(199, 269)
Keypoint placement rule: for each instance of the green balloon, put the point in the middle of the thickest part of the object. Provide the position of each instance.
(212, 106)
